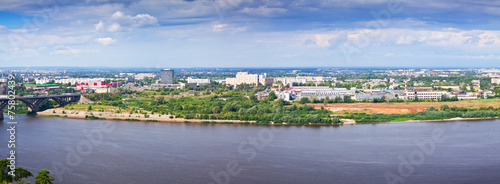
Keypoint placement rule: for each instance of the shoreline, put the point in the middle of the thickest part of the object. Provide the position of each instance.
(435, 120)
(76, 114)
(453, 119)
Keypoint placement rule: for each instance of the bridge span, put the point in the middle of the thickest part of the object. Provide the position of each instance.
(34, 102)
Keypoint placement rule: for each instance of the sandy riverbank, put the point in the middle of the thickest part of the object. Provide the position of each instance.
(79, 114)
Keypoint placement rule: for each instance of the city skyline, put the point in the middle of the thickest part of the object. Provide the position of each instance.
(184, 34)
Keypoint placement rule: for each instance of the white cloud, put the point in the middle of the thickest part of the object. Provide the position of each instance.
(263, 11)
(405, 39)
(219, 27)
(119, 22)
(322, 40)
(24, 52)
(68, 50)
(106, 41)
(99, 26)
(227, 28)
(114, 27)
(443, 37)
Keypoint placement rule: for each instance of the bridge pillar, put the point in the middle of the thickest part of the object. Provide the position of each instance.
(1, 116)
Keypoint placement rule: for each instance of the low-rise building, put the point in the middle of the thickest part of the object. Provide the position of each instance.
(453, 88)
(465, 95)
(41, 86)
(141, 76)
(425, 95)
(4, 88)
(191, 85)
(320, 92)
(199, 81)
(371, 96)
(103, 90)
(289, 81)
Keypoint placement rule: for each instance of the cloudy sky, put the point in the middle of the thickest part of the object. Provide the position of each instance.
(250, 33)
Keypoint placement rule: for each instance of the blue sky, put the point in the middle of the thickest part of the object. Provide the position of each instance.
(250, 33)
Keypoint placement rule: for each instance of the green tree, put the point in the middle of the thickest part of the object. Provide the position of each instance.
(347, 99)
(20, 172)
(160, 100)
(90, 107)
(304, 100)
(272, 96)
(254, 98)
(43, 177)
(431, 108)
(216, 109)
(444, 107)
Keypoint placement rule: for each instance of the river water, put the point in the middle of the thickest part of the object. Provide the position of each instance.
(101, 151)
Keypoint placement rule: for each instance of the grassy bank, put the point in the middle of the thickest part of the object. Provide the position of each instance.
(431, 113)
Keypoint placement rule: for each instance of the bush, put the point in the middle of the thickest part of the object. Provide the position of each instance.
(479, 114)
(431, 108)
(444, 107)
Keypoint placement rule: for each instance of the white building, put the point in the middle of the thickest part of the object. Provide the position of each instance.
(141, 76)
(246, 78)
(320, 92)
(425, 95)
(103, 90)
(193, 80)
(286, 95)
(199, 82)
(290, 80)
(467, 96)
(495, 80)
(71, 81)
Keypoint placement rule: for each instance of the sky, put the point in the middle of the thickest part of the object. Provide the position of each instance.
(250, 33)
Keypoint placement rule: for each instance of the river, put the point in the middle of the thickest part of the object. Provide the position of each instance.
(102, 151)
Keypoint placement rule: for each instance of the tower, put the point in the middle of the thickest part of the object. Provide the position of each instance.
(167, 76)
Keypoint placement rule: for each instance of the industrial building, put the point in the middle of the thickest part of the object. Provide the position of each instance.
(425, 95)
(319, 92)
(199, 82)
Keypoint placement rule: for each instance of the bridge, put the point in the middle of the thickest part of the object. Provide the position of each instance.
(34, 102)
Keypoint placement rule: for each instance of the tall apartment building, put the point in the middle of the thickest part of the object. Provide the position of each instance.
(243, 78)
(495, 80)
(246, 78)
(167, 76)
